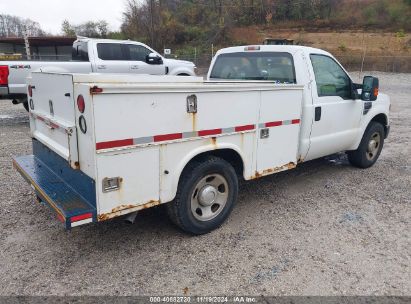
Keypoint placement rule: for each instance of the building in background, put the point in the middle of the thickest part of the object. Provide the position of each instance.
(41, 48)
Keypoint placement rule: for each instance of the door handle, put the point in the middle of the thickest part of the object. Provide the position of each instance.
(101, 67)
(317, 113)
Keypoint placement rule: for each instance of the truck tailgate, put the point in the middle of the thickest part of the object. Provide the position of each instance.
(52, 114)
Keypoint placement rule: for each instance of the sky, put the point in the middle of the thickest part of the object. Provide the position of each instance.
(51, 13)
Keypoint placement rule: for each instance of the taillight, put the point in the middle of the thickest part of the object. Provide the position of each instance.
(81, 104)
(30, 89)
(4, 75)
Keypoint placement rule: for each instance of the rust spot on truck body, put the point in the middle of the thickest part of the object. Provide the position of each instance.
(125, 209)
(214, 142)
(194, 121)
(269, 171)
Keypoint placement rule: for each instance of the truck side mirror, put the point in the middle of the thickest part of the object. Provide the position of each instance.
(370, 86)
(153, 58)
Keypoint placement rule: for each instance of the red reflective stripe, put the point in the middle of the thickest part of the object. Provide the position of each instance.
(165, 137)
(295, 121)
(53, 125)
(114, 144)
(244, 128)
(273, 124)
(210, 132)
(80, 217)
(40, 118)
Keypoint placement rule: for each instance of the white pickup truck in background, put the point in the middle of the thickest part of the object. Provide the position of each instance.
(92, 56)
(107, 145)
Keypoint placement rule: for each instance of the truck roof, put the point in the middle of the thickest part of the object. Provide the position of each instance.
(271, 48)
(85, 39)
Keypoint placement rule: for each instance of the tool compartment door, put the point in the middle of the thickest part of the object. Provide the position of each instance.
(52, 114)
(279, 128)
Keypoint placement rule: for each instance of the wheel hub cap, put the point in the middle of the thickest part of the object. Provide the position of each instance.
(373, 146)
(207, 195)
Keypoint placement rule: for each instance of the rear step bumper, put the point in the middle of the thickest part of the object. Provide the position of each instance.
(71, 208)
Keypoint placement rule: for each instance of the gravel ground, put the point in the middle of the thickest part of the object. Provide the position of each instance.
(324, 228)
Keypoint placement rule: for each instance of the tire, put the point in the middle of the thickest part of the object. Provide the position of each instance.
(26, 106)
(370, 147)
(205, 197)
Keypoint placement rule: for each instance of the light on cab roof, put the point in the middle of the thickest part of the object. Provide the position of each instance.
(252, 48)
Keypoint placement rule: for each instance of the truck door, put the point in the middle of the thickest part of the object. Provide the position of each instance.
(337, 114)
(111, 58)
(137, 62)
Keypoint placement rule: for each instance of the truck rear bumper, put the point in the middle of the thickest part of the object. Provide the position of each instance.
(52, 187)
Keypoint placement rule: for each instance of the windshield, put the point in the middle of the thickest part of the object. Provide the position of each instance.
(274, 66)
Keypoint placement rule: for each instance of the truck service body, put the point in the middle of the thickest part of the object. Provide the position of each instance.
(92, 56)
(109, 145)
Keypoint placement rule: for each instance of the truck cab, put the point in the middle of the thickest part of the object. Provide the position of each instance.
(127, 57)
(334, 112)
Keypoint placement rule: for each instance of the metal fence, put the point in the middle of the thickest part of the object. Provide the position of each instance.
(393, 64)
(34, 57)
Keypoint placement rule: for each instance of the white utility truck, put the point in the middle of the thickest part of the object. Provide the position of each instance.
(109, 145)
(92, 55)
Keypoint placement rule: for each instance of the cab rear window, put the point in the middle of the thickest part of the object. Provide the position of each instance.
(79, 51)
(274, 66)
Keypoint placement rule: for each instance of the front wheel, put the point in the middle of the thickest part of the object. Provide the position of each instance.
(205, 197)
(370, 147)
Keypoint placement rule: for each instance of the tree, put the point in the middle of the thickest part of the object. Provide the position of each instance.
(92, 29)
(13, 26)
(67, 29)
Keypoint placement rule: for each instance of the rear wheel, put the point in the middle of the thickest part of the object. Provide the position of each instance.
(370, 147)
(205, 197)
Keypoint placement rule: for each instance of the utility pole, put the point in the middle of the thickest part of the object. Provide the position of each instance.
(152, 22)
(26, 43)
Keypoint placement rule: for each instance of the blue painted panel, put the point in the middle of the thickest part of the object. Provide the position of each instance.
(54, 191)
(80, 182)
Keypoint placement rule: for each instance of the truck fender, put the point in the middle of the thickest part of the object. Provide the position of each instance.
(181, 71)
(167, 196)
(376, 114)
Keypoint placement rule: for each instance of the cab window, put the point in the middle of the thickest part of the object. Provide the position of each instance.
(79, 51)
(331, 79)
(274, 66)
(138, 52)
(111, 51)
